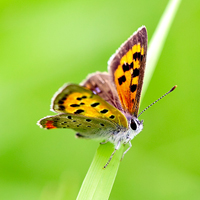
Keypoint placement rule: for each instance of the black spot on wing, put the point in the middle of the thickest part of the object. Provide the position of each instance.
(135, 72)
(121, 79)
(133, 88)
(63, 123)
(127, 67)
(131, 65)
(95, 104)
(137, 55)
(61, 107)
(79, 111)
(112, 117)
(64, 98)
(104, 111)
(74, 105)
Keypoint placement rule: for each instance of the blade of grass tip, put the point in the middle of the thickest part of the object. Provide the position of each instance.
(98, 181)
(157, 41)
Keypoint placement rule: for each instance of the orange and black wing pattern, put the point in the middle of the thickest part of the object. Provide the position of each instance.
(127, 68)
(79, 100)
(85, 112)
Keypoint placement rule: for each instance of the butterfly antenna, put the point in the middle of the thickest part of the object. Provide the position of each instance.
(158, 100)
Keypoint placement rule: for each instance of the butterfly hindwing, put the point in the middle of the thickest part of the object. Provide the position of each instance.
(101, 83)
(87, 127)
(127, 67)
(78, 100)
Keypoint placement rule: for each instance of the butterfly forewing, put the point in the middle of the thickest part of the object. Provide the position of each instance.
(78, 100)
(127, 67)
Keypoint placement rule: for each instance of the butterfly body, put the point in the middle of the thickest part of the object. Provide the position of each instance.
(105, 106)
(125, 136)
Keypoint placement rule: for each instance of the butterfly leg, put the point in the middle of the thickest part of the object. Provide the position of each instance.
(130, 145)
(116, 148)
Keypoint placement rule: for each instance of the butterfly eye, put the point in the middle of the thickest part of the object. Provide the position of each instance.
(133, 125)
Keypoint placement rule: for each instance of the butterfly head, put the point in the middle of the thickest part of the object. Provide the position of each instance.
(136, 125)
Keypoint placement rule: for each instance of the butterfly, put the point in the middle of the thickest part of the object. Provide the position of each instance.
(105, 106)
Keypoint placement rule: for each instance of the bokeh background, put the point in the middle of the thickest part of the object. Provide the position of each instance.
(46, 43)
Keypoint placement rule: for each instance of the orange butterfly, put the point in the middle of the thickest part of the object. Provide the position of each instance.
(106, 105)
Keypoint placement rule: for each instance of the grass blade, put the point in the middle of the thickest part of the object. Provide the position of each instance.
(157, 41)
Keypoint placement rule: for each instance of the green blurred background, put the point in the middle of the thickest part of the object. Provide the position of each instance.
(46, 43)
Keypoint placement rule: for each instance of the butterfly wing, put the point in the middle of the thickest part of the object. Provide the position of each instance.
(102, 84)
(78, 100)
(127, 67)
(85, 112)
(87, 127)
